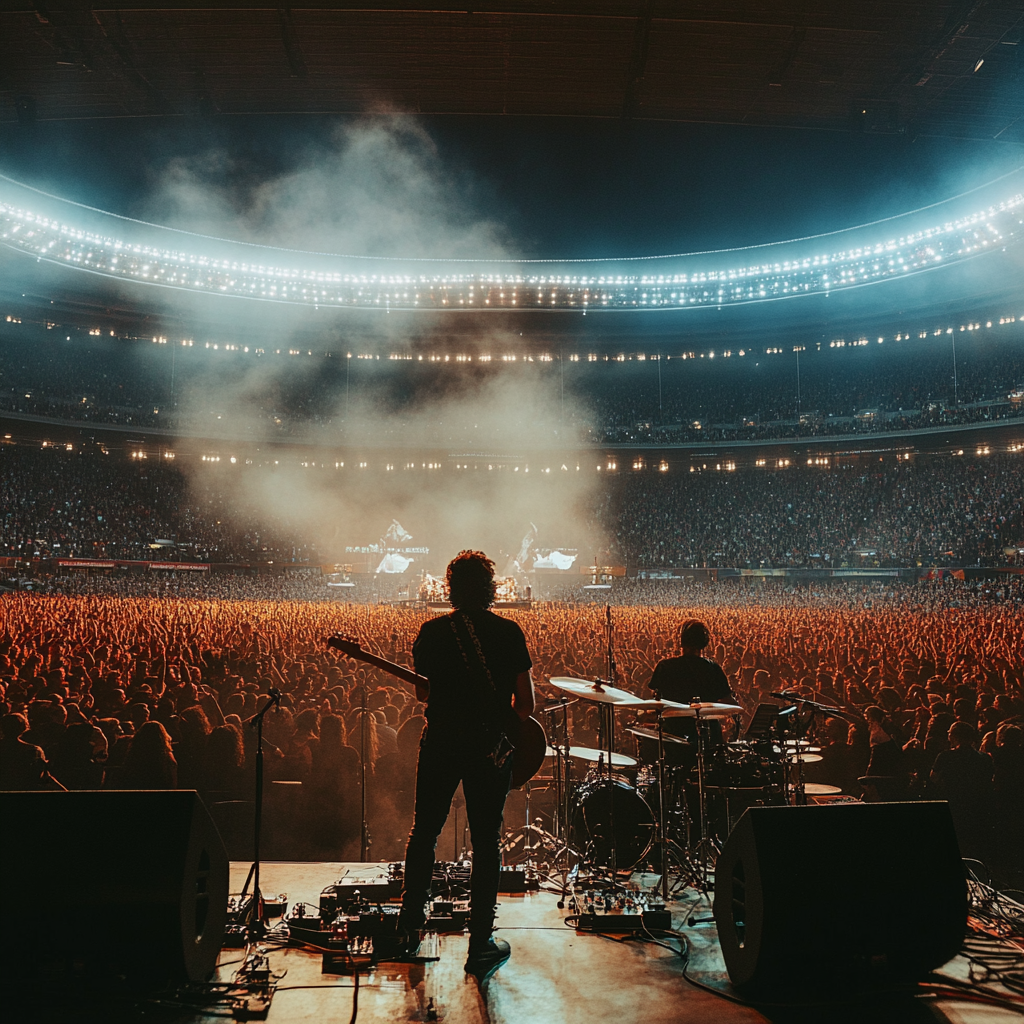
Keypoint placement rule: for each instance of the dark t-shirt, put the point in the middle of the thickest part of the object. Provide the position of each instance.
(460, 699)
(685, 679)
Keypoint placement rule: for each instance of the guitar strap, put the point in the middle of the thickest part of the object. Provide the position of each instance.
(468, 641)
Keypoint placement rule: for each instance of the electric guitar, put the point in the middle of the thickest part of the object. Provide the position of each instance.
(526, 736)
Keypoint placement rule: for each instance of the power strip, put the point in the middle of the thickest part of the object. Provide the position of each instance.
(624, 921)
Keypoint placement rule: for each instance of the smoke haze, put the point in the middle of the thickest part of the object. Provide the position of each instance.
(376, 187)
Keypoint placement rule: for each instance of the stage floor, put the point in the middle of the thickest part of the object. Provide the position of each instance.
(555, 975)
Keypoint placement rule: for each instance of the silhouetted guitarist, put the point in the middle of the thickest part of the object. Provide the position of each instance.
(478, 668)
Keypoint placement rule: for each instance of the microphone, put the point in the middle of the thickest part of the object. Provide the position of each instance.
(782, 694)
(275, 695)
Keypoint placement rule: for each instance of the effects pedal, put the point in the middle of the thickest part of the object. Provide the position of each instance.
(447, 915)
(347, 956)
(306, 925)
(513, 881)
(340, 897)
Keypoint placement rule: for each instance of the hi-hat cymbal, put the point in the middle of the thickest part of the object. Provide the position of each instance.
(820, 789)
(803, 758)
(652, 734)
(593, 755)
(599, 692)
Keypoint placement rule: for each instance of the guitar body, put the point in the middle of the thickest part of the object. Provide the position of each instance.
(530, 747)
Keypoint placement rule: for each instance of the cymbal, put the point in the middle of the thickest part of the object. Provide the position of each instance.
(803, 758)
(594, 691)
(704, 709)
(593, 755)
(820, 789)
(590, 754)
(652, 734)
(803, 746)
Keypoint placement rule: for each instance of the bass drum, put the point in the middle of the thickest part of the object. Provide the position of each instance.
(609, 812)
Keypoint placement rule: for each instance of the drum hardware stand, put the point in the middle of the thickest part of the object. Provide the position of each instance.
(255, 927)
(557, 845)
(670, 850)
(545, 840)
(607, 727)
(609, 714)
(707, 849)
(561, 822)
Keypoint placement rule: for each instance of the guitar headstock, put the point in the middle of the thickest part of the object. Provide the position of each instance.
(348, 645)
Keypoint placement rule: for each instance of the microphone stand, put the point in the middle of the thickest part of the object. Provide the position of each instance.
(610, 726)
(364, 834)
(254, 925)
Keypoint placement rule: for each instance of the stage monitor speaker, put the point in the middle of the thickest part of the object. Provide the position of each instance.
(110, 884)
(839, 896)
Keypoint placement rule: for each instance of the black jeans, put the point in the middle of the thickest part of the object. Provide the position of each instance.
(442, 766)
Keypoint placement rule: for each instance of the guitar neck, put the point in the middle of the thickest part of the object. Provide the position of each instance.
(398, 671)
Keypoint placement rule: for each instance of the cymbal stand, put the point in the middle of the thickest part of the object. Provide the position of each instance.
(796, 793)
(609, 714)
(707, 849)
(561, 817)
(670, 849)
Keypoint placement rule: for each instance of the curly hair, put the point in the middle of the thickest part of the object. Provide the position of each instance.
(470, 579)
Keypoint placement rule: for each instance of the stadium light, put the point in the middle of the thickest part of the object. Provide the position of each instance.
(128, 250)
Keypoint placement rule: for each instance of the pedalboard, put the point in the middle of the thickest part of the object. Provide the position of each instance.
(620, 913)
(356, 921)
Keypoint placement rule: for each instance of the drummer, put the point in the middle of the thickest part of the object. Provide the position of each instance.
(688, 679)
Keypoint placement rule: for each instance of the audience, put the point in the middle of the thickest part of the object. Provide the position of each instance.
(100, 691)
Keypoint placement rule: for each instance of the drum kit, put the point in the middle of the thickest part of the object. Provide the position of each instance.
(667, 810)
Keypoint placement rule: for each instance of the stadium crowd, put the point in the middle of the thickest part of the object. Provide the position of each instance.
(239, 389)
(143, 693)
(930, 510)
(962, 510)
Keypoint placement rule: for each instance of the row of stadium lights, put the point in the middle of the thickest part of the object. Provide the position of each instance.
(609, 466)
(35, 224)
(590, 357)
(593, 357)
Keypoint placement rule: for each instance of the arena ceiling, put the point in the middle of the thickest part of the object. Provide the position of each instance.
(920, 67)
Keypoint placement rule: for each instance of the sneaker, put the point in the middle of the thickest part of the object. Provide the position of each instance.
(485, 959)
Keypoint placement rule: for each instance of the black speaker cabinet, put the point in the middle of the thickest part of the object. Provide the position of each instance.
(111, 884)
(839, 896)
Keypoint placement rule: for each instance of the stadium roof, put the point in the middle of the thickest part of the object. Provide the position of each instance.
(922, 67)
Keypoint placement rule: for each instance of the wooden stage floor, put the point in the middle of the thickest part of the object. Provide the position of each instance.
(555, 976)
